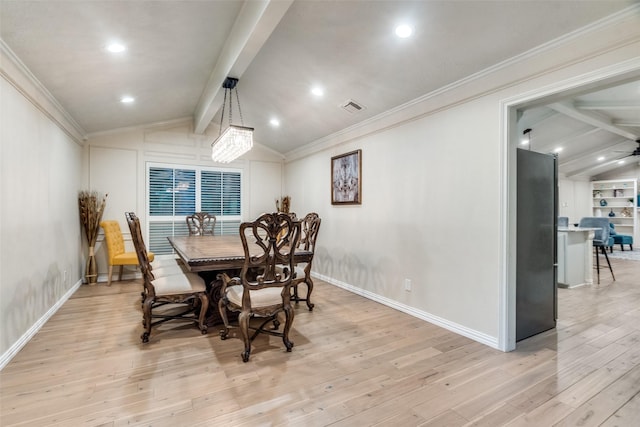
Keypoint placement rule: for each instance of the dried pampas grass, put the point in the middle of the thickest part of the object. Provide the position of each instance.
(91, 205)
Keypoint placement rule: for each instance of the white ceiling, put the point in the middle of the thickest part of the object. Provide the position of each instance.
(179, 52)
(596, 131)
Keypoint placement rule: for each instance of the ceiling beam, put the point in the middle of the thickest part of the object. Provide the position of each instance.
(591, 118)
(549, 144)
(600, 151)
(590, 169)
(607, 105)
(253, 26)
(626, 123)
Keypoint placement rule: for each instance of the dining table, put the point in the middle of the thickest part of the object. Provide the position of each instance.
(210, 256)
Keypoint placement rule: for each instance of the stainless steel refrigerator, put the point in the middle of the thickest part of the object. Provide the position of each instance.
(536, 270)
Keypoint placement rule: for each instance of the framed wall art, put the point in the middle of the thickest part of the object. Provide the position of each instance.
(346, 178)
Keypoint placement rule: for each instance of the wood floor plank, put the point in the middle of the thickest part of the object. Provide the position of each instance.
(627, 415)
(355, 362)
(608, 401)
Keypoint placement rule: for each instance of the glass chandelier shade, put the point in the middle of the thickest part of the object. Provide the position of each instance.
(235, 140)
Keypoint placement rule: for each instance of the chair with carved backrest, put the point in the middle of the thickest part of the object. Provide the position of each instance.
(201, 224)
(186, 289)
(309, 234)
(263, 288)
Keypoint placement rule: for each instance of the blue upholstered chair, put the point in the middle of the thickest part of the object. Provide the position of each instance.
(620, 239)
(600, 239)
(563, 221)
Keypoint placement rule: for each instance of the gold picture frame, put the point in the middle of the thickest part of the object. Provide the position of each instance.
(346, 178)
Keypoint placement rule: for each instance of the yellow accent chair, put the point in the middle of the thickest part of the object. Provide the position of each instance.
(116, 249)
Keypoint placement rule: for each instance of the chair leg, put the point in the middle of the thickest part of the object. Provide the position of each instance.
(223, 314)
(109, 276)
(204, 306)
(309, 283)
(598, 262)
(146, 320)
(243, 320)
(289, 314)
(296, 297)
(120, 273)
(610, 269)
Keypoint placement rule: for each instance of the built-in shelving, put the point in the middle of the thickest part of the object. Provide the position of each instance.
(618, 200)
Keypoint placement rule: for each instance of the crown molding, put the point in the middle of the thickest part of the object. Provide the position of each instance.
(415, 109)
(14, 71)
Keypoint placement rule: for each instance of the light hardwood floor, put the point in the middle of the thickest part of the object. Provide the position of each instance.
(355, 363)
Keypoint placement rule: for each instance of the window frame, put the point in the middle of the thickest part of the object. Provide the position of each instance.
(198, 169)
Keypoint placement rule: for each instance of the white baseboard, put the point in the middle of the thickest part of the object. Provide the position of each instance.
(451, 326)
(423, 315)
(26, 337)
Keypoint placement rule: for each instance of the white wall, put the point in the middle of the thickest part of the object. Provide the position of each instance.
(632, 171)
(574, 199)
(438, 206)
(40, 250)
(422, 217)
(436, 175)
(117, 165)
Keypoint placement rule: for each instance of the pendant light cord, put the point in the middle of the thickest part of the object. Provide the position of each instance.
(224, 104)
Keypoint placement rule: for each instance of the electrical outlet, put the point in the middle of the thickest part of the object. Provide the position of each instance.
(64, 277)
(407, 285)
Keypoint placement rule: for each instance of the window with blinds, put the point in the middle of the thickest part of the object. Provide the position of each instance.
(175, 192)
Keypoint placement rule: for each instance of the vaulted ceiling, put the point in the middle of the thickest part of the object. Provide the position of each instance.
(592, 133)
(178, 53)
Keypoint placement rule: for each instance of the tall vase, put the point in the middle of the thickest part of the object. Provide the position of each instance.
(91, 273)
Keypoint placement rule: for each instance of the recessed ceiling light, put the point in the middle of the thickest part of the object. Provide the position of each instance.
(557, 150)
(621, 162)
(274, 122)
(403, 31)
(127, 99)
(601, 158)
(116, 47)
(317, 91)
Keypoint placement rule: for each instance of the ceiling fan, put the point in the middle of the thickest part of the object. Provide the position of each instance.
(635, 152)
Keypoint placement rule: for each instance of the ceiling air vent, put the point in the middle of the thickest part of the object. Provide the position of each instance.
(352, 106)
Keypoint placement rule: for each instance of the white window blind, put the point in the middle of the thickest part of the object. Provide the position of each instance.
(175, 192)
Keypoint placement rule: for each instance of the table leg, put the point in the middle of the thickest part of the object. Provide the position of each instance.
(214, 286)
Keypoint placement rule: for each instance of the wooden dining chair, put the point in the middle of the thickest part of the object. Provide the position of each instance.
(201, 224)
(309, 233)
(185, 289)
(263, 288)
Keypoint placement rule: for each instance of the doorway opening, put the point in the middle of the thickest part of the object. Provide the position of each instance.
(513, 109)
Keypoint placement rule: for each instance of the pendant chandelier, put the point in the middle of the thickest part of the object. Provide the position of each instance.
(235, 140)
